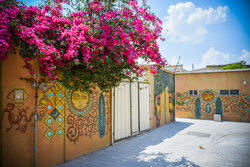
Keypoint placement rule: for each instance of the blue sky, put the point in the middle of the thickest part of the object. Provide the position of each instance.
(202, 32)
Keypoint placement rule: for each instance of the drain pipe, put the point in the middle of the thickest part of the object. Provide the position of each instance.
(35, 84)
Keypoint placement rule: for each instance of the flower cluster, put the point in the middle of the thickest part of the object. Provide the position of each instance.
(99, 45)
(96, 6)
(6, 16)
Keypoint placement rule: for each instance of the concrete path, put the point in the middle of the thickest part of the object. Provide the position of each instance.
(177, 144)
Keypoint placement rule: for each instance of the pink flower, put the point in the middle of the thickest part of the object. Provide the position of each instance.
(133, 3)
(46, 8)
(64, 42)
(153, 70)
(96, 7)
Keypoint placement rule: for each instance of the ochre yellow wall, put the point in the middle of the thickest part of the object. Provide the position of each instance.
(235, 108)
(18, 140)
(1, 115)
(80, 132)
(150, 78)
(89, 140)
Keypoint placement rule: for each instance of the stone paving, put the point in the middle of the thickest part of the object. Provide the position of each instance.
(186, 142)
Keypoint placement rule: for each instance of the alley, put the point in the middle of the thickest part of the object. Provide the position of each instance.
(186, 142)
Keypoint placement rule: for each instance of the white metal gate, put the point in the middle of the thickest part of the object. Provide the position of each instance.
(131, 109)
(134, 108)
(122, 125)
(144, 106)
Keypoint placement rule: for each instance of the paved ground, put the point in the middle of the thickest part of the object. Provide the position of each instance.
(177, 144)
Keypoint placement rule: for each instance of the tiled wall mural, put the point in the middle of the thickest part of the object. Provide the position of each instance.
(236, 105)
(66, 127)
(163, 92)
(101, 116)
(80, 103)
(82, 120)
(105, 118)
(89, 113)
(158, 110)
(18, 118)
(210, 102)
(171, 107)
(52, 110)
(185, 103)
(86, 113)
(81, 126)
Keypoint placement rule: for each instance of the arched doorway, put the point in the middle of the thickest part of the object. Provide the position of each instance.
(219, 106)
(197, 108)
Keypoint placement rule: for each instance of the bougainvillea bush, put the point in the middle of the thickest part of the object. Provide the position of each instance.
(97, 43)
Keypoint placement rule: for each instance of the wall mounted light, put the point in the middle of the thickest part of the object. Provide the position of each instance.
(34, 84)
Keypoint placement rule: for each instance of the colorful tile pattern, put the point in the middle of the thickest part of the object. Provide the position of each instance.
(49, 134)
(164, 86)
(101, 116)
(197, 108)
(53, 103)
(79, 103)
(213, 104)
(97, 120)
(208, 96)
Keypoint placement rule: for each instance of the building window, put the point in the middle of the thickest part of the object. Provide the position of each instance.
(224, 92)
(233, 92)
(192, 92)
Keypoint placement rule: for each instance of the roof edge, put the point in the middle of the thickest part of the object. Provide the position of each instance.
(214, 71)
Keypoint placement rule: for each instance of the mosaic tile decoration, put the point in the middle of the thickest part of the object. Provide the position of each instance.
(18, 116)
(18, 96)
(53, 103)
(219, 106)
(101, 116)
(97, 120)
(208, 108)
(79, 103)
(197, 108)
(214, 104)
(208, 96)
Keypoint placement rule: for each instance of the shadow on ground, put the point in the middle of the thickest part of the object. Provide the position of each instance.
(126, 153)
(160, 160)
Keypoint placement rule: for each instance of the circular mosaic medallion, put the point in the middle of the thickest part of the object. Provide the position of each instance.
(79, 102)
(208, 96)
